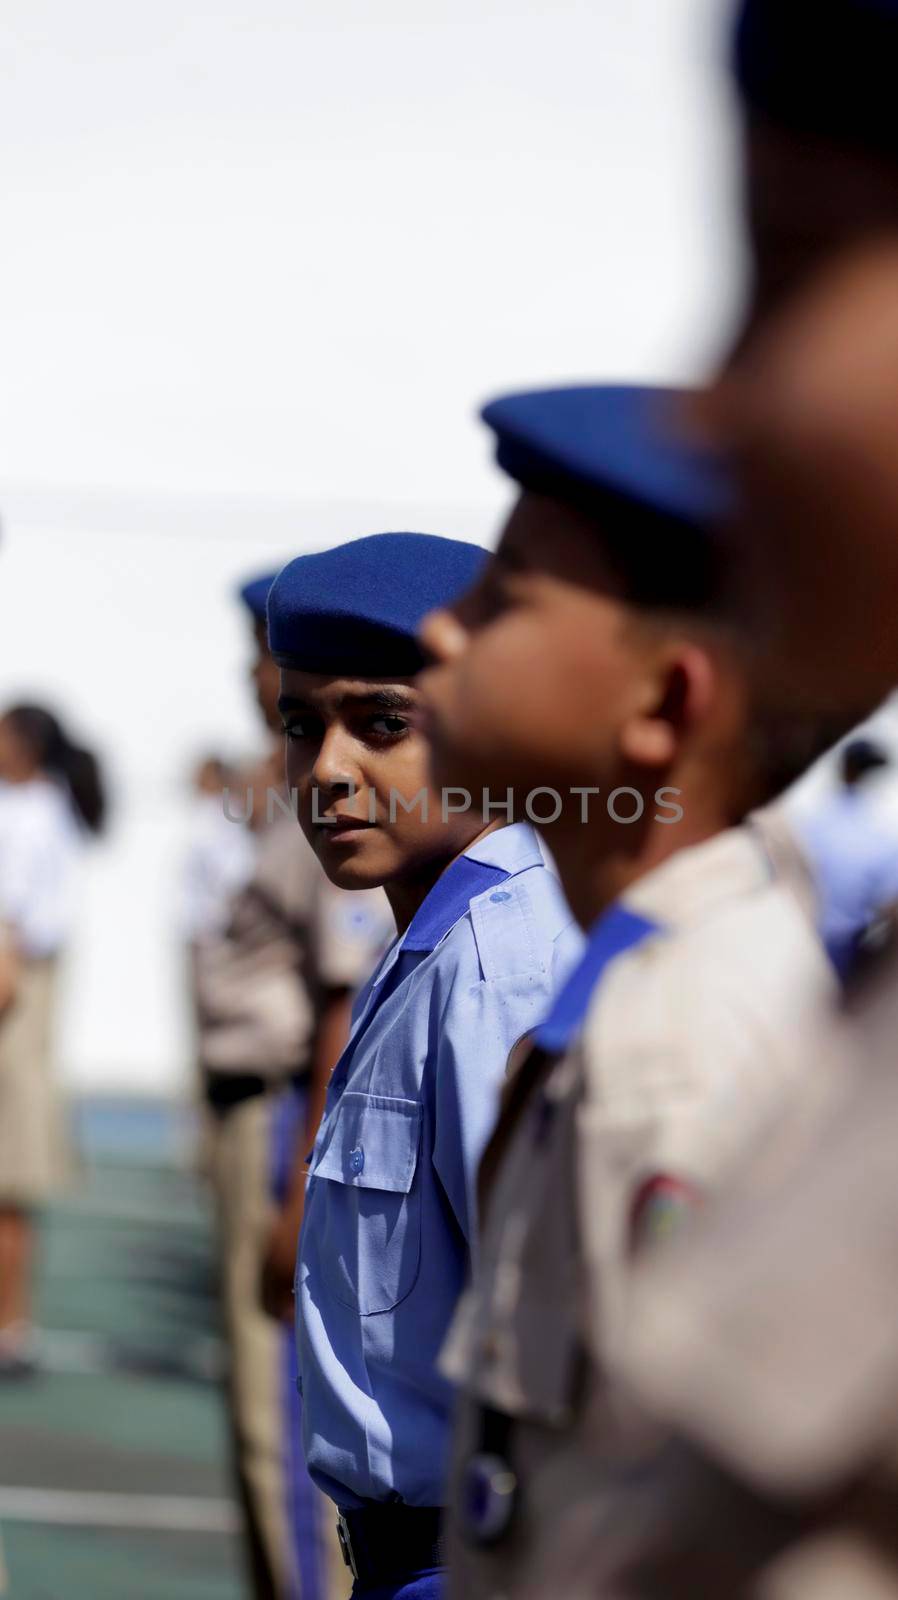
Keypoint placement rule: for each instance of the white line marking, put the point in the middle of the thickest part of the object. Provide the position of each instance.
(81, 1508)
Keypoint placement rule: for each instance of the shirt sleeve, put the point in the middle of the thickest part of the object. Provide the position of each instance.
(689, 1053)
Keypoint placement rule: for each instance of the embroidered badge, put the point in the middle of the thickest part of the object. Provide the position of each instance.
(661, 1207)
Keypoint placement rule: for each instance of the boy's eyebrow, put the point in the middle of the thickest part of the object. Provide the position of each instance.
(288, 703)
(385, 699)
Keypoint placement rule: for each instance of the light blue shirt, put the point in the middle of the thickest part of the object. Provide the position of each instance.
(854, 857)
(389, 1215)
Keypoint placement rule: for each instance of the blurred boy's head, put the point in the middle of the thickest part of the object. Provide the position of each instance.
(343, 627)
(808, 415)
(595, 648)
(817, 80)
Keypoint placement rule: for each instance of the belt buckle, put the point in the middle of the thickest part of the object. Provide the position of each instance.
(346, 1550)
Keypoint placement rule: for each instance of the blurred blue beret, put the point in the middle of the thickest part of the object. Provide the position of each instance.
(254, 594)
(611, 446)
(825, 67)
(355, 610)
(623, 455)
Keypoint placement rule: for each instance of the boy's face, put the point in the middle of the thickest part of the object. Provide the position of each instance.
(537, 667)
(355, 753)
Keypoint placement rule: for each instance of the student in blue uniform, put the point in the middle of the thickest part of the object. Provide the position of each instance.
(484, 937)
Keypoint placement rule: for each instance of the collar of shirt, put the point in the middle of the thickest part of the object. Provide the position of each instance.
(448, 900)
(484, 865)
(683, 890)
(617, 930)
(696, 881)
(777, 830)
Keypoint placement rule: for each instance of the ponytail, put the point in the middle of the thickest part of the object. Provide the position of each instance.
(56, 755)
(81, 771)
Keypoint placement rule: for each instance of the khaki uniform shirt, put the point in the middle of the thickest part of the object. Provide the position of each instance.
(768, 1341)
(689, 1042)
(290, 934)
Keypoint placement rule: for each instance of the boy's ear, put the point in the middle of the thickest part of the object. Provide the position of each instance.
(682, 696)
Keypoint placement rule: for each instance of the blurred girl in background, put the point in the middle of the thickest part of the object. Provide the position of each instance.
(51, 801)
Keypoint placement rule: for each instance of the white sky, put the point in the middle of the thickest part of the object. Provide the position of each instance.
(260, 265)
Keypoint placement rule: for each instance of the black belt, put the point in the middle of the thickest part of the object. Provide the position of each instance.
(383, 1542)
(225, 1090)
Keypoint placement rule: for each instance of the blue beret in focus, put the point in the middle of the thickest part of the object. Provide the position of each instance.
(254, 594)
(355, 610)
(825, 67)
(611, 446)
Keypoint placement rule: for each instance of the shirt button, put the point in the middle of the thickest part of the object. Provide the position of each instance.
(499, 896)
(357, 1160)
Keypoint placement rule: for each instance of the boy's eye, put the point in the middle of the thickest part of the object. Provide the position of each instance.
(302, 728)
(387, 726)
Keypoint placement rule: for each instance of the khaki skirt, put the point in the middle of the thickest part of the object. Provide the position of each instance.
(32, 1147)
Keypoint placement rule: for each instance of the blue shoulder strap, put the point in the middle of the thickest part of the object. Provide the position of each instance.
(616, 931)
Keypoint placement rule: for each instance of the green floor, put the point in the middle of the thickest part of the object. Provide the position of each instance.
(114, 1480)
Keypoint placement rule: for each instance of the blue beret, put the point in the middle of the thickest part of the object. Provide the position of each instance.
(611, 447)
(254, 594)
(824, 67)
(355, 610)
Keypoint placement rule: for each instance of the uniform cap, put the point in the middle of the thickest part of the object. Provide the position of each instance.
(254, 594)
(623, 455)
(356, 609)
(824, 67)
(592, 446)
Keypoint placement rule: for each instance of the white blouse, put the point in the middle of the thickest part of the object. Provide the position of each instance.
(41, 848)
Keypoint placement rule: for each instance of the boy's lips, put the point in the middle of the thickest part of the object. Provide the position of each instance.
(338, 827)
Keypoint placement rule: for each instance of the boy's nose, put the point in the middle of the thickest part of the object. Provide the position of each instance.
(334, 768)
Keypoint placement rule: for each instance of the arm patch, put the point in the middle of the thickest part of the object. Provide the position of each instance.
(661, 1207)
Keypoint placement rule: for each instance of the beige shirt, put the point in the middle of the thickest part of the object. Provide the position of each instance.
(290, 935)
(768, 1341)
(689, 1042)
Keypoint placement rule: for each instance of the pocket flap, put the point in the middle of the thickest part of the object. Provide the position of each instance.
(371, 1142)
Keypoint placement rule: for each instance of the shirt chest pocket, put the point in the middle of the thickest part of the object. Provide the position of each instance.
(369, 1243)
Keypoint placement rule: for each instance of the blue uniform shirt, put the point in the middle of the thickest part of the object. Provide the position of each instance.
(853, 850)
(389, 1214)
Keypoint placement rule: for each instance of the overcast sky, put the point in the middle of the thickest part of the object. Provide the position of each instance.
(260, 266)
